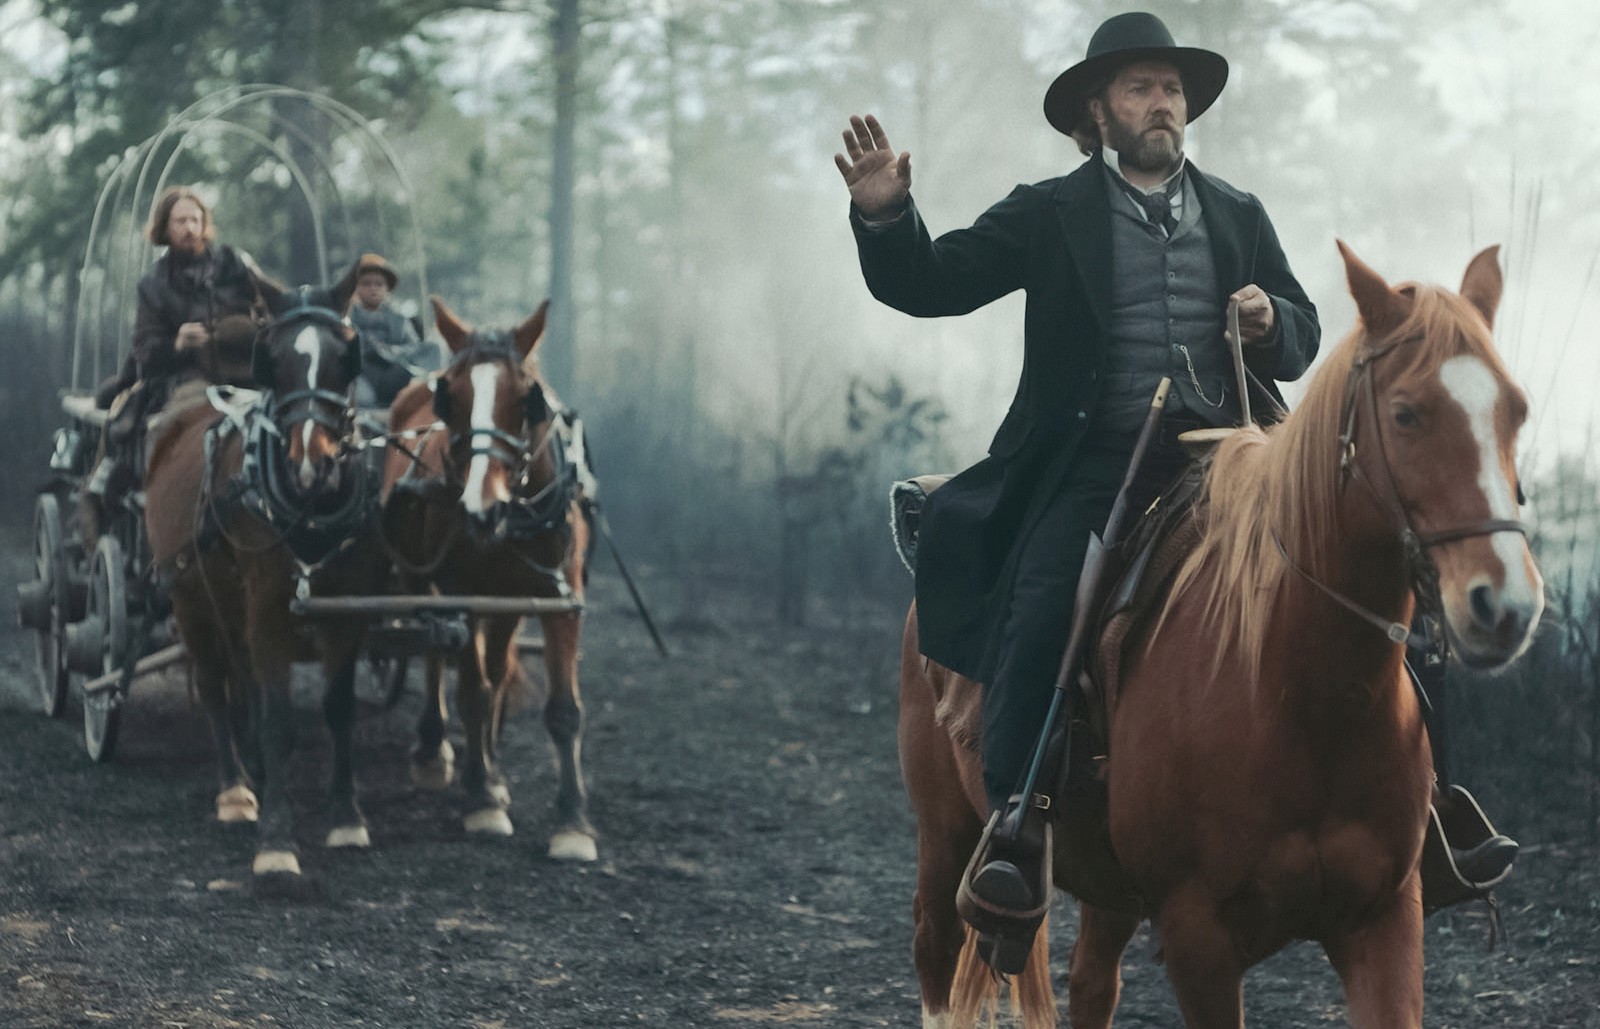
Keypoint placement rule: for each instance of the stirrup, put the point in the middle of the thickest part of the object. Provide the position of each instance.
(1011, 926)
(1460, 828)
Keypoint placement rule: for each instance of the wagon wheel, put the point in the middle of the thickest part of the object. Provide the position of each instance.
(43, 605)
(108, 610)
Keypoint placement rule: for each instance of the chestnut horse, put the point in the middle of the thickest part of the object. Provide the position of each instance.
(492, 502)
(238, 521)
(1269, 770)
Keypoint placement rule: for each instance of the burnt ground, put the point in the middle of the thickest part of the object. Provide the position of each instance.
(756, 868)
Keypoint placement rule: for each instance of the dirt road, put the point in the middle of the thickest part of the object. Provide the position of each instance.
(756, 866)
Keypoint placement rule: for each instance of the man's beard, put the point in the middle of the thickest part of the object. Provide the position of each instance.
(1154, 153)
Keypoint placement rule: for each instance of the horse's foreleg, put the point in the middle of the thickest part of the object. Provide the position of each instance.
(338, 644)
(938, 936)
(1094, 977)
(948, 828)
(274, 730)
(487, 798)
(208, 657)
(1381, 965)
(433, 760)
(574, 836)
(500, 670)
(1204, 963)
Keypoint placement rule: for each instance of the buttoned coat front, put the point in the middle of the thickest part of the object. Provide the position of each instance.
(1052, 239)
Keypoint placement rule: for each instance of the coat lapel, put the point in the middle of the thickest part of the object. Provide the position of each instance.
(1084, 212)
(1229, 224)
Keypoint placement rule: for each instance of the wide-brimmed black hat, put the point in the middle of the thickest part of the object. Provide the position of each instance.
(1124, 39)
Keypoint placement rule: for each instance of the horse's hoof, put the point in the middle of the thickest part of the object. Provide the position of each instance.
(276, 862)
(237, 804)
(348, 836)
(436, 773)
(491, 821)
(500, 793)
(571, 845)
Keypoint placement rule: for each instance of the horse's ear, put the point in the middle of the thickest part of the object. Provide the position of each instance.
(1382, 309)
(272, 293)
(453, 329)
(529, 333)
(1482, 284)
(345, 290)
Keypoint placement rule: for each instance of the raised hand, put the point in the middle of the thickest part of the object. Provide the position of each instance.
(879, 180)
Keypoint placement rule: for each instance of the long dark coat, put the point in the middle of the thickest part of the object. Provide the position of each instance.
(178, 289)
(1052, 239)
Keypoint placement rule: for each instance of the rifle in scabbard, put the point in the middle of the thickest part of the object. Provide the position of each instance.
(1050, 753)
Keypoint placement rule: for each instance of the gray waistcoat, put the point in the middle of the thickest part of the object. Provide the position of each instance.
(1164, 301)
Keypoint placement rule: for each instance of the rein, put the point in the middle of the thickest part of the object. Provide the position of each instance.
(1420, 568)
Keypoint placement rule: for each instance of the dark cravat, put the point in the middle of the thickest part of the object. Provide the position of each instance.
(1157, 207)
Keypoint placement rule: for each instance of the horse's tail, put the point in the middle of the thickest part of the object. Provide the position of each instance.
(975, 990)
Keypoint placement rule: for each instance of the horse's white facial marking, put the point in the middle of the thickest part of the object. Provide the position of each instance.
(485, 384)
(1471, 384)
(309, 343)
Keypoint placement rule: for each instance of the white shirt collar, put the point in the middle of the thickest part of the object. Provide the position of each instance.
(1114, 162)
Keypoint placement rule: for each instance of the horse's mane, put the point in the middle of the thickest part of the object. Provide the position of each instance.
(410, 405)
(1287, 479)
(175, 429)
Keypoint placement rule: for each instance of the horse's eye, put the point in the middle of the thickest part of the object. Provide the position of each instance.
(1522, 498)
(1406, 417)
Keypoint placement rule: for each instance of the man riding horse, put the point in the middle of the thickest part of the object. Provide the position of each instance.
(1129, 264)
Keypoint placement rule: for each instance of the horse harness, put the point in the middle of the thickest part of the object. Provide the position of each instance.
(530, 513)
(314, 530)
(1423, 573)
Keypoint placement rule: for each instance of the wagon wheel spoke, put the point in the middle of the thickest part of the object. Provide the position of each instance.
(44, 605)
(108, 608)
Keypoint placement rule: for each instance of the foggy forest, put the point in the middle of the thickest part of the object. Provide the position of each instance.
(662, 172)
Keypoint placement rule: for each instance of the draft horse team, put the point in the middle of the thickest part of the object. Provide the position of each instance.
(260, 502)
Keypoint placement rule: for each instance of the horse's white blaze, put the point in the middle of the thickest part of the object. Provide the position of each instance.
(1471, 384)
(309, 343)
(485, 379)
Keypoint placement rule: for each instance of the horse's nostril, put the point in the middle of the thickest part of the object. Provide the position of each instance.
(1484, 609)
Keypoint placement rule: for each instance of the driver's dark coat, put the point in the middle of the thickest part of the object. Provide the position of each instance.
(1052, 239)
(178, 289)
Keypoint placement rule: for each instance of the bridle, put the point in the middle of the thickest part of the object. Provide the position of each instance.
(333, 411)
(535, 509)
(1420, 567)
